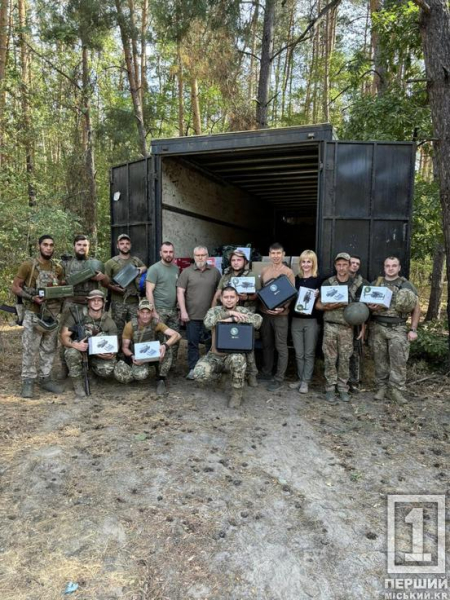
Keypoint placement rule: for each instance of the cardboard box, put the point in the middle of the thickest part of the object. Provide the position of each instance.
(305, 301)
(372, 294)
(244, 285)
(147, 351)
(103, 344)
(215, 261)
(294, 265)
(329, 294)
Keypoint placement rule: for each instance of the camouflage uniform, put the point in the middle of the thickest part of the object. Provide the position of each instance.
(355, 359)
(125, 373)
(225, 280)
(124, 307)
(74, 358)
(34, 341)
(337, 343)
(170, 318)
(210, 366)
(389, 339)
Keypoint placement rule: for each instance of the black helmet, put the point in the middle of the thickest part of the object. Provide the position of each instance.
(356, 313)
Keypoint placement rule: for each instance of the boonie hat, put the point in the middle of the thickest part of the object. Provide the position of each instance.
(124, 236)
(145, 305)
(343, 256)
(96, 294)
(238, 253)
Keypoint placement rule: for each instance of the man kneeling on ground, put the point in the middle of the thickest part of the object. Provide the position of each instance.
(214, 363)
(145, 328)
(95, 322)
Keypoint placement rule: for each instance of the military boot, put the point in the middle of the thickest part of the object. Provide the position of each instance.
(252, 381)
(380, 394)
(78, 387)
(397, 396)
(63, 372)
(236, 398)
(45, 383)
(161, 388)
(28, 388)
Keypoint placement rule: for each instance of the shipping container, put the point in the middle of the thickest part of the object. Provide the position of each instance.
(299, 186)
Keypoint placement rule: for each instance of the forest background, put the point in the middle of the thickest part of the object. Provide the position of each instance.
(86, 84)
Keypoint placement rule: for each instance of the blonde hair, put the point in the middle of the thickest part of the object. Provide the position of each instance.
(313, 256)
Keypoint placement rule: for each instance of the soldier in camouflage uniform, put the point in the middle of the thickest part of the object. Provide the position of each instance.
(38, 338)
(355, 359)
(124, 301)
(145, 328)
(338, 334)
(95, 322)
(161, 292)
(209, 367)
(74, 266)
(390, 337)
(239, 268)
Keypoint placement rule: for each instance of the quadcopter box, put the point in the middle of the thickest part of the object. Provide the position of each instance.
(103, 344)
(148, 351)
(330, 294)
(234, 337)
(372, 294)
(244, 285)
(277, 292)
(305, 301)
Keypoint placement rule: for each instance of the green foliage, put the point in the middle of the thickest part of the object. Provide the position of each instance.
(427, 222)
(432, 343)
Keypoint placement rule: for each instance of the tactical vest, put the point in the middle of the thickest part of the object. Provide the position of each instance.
(92, 326)
(44, 279)
(144, 334)
(337, 315)
(391, 312)
(81, 289)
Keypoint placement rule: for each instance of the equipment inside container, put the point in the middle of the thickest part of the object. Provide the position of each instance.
(255, 196)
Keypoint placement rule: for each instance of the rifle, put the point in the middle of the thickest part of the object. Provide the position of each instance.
(79, 335)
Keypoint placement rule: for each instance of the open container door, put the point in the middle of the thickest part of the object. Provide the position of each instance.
(133, 208)
(366, 203)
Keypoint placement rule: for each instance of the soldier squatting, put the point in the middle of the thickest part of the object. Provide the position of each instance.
(201, 298)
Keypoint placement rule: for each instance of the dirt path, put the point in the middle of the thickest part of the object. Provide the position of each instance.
(135, 497)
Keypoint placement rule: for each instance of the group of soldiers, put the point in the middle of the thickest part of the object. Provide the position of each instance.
(200, 297)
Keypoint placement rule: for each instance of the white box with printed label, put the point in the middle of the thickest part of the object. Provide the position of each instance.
(244, 285)
(305, 301)
(103, 344)
(329, 294)
(147, 351)
(372, 294)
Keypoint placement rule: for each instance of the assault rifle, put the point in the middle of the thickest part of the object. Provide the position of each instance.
(79, 334)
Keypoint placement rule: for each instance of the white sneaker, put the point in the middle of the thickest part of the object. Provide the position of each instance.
(294, 386)
(303, 389)
(190, 375)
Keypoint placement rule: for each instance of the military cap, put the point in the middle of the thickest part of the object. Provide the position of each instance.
(342, 256)
(124, 236)
(238, 253)
(145, 305)
(96, 294)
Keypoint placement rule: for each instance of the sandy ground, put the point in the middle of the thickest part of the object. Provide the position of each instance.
(136, 497)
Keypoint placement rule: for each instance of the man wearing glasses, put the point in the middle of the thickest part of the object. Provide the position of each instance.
(195, 290)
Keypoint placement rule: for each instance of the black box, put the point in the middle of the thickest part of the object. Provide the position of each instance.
(277, 292)
(234, 337)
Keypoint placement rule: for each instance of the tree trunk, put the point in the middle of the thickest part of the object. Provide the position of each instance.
(4, 5)
(144, 25)
(25, 89)
(90, 198)
(134, 86)
(134, 48)
(195, 107)
(437, 283)
(266, 62)
(379, 81)
(180, 90)
(435, 32)
(254, 30)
